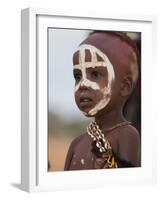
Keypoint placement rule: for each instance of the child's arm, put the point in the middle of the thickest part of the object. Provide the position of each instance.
(129, 146)
(70, 153)
(69, 157)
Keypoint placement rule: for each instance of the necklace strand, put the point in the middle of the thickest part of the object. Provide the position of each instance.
(97, 135)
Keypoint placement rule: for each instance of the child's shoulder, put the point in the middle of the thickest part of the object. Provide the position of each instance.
(129, 132)
(78, 139)
(129, 136)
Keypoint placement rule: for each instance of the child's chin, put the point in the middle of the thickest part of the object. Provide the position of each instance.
(87, 111)
(87, 114)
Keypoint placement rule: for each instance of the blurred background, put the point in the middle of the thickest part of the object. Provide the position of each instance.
(65, 121)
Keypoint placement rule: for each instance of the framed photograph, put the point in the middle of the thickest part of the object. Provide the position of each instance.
(86, 114)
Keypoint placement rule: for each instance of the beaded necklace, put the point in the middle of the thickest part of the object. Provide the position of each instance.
(107, 159)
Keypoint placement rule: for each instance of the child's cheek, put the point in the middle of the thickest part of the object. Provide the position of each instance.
(95, 95)
(76, 95)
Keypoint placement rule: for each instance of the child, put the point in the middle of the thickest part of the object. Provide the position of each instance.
(105, 72)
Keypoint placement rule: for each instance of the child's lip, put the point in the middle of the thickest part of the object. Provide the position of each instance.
(85, 101)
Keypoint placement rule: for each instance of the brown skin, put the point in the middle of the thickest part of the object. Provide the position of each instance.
(125, 141)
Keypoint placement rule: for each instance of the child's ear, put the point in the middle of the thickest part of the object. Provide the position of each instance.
(126, 86)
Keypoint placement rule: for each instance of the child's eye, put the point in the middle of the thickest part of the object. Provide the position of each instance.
(77, 77)
(95, 75)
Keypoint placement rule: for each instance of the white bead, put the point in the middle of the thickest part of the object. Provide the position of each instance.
(82, 161)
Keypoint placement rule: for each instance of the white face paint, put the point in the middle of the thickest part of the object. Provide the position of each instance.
(83, 65)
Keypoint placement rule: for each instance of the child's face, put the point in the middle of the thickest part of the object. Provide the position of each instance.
(101, 65)
(94, 74)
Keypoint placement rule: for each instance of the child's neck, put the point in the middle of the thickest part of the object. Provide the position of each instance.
(110, 119)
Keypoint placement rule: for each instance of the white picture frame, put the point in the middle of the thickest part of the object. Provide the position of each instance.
(34, 173)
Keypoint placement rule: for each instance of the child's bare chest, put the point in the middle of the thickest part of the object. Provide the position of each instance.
(83, 156)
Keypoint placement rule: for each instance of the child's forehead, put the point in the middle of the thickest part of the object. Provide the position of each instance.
(118, 51)
(77, 55)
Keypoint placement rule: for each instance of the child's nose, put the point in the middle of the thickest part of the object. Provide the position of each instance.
(84, 84)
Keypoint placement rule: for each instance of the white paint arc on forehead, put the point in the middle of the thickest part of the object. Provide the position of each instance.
(94, 62)
(83, 65)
